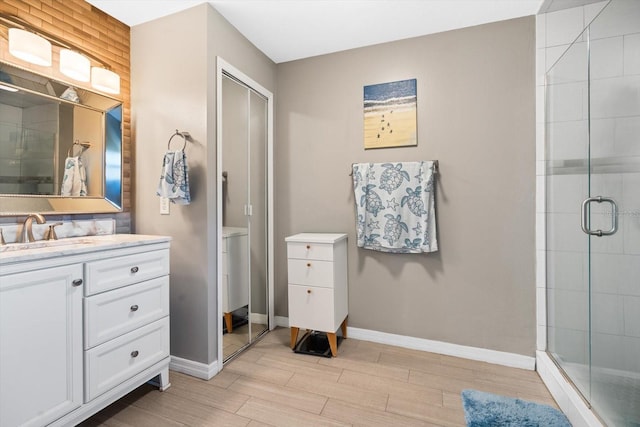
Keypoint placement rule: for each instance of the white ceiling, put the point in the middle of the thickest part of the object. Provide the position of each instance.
(286, 30)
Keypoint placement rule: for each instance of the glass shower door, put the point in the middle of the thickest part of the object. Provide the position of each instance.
(614, 173)
(593, 213)
(567, 185)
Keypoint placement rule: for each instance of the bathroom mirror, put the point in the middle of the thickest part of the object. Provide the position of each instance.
(60, 147)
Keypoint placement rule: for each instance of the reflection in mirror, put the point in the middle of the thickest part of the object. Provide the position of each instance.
(244, 216)
(258, 200)
(60, 147)
(235, 243)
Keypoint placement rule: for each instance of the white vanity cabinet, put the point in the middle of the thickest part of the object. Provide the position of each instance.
(81, 326)
(40, 345)
(318, 294)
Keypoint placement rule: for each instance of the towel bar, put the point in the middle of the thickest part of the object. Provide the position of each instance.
(436, 169)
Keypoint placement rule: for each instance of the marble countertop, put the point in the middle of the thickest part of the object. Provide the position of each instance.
(18, 252)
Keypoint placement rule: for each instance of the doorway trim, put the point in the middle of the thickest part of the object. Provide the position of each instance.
(225, 67)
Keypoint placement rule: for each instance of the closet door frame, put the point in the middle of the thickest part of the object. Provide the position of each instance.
(223, 67)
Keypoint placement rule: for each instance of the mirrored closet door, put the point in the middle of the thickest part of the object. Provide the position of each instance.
(244, 172)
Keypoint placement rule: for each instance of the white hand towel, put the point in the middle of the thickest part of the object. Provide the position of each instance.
(74, 180)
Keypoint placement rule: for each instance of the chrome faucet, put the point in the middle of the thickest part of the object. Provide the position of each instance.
(26, 235)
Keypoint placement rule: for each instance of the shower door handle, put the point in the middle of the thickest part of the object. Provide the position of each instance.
(614, 216)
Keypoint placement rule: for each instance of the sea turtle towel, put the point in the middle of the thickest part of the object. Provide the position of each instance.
(395, 206)
(174, 179)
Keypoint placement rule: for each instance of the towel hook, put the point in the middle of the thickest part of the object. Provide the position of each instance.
(184, 136)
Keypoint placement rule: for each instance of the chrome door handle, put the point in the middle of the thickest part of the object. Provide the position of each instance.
(614, 216)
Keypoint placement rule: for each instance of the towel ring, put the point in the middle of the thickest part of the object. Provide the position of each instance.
(182, 134)
(83, 147)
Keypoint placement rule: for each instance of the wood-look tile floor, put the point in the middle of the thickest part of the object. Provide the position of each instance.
(368, 384)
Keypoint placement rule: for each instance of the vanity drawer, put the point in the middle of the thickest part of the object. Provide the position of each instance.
(111, 314)
(308, 250)
(115, 361)
(311, 272)
(112, 273)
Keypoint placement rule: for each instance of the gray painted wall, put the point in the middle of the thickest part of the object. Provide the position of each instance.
(476, 115)
(173, 73)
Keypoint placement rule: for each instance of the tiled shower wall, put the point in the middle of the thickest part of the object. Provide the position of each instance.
(28, 138)
(615, 130)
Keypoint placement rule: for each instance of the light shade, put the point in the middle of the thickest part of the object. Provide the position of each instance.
(8, 88)
(29, 47)
(105, 80)
(74, 65)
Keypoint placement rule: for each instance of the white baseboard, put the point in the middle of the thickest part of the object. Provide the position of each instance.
(567, 397)
(195, 369)
(474, 353)
(282, 321)
(258, 318)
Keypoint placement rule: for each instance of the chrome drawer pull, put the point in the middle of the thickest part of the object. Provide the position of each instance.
(134, 353)
(134, 307)
(134, 270)
(77, 282)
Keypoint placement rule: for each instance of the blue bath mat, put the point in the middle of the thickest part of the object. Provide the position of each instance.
(490, 410)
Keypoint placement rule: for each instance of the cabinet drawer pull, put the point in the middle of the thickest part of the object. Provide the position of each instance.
(134, 307)
(308, 247)
(77, 282)
(308, 291)
(134, 270)
(134, 353)
(308, 264)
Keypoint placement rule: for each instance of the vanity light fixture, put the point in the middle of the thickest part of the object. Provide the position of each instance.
(29, 47)
(33, 45)
(75, 65)
(105, 80)
(8, 88)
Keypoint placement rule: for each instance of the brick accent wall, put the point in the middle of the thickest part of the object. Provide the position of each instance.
(83, 25)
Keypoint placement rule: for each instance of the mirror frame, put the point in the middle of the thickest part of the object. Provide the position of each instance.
(23, 204)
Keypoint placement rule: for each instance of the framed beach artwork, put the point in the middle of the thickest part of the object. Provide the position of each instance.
(390, 115)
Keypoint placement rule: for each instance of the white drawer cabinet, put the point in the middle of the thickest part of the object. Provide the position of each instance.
(318, 292)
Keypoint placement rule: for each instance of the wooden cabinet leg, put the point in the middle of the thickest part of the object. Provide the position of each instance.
(294, 336)
(333, 343)
(344, 327)
(228, 321)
